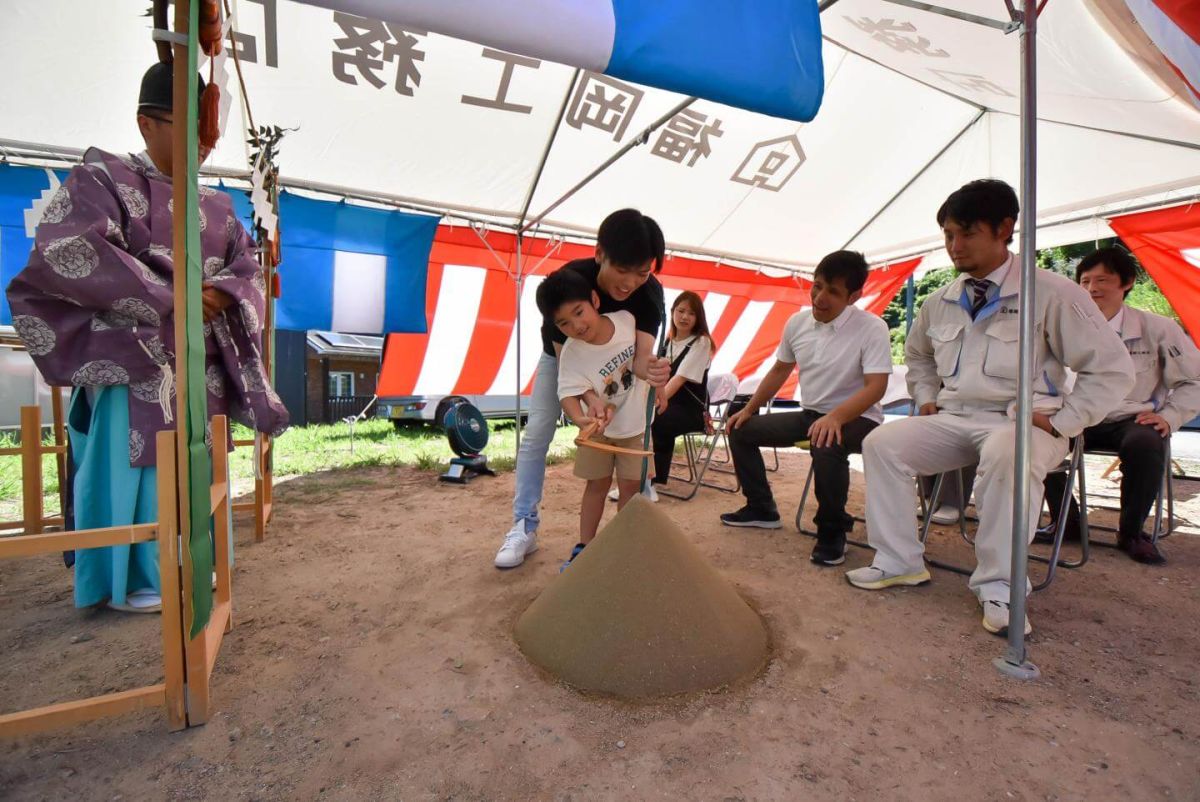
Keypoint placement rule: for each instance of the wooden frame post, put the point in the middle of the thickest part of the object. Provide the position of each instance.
(264, 482)
(31, 469)
(60, 441)
(200, 653)
(172, 595)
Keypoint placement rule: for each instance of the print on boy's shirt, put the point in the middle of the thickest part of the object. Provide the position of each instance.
(614, 384)
(617, 361)
(617, 373)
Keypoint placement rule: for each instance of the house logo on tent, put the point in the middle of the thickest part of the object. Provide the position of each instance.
(771, 164)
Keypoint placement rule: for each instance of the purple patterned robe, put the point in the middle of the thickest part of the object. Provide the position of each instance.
(94, 306)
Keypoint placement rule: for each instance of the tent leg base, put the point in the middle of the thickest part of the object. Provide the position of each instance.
(1023, 671)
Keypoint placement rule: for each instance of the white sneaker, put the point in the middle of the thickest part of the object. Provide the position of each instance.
(871, 578)
(518, 544)
(648, 491)
(995, 618)
(944, 515)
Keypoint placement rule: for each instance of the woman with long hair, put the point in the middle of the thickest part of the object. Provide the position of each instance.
(680, 406)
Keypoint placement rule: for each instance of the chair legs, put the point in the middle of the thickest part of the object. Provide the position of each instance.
(699, 459)
(808, 483)
(1163, 525)
(1074, 468)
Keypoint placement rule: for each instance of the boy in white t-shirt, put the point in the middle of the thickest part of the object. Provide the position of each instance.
(844, 358)
(596, 385)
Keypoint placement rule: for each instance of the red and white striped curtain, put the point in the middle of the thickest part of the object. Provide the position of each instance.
(471, 305)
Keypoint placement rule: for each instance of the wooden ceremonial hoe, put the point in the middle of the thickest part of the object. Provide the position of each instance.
(590, 429)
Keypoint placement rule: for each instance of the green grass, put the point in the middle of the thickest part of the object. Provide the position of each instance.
(377, 443)
(10, 480)
(306, 450)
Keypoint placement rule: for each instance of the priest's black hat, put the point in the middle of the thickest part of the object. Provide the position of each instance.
(157, 90)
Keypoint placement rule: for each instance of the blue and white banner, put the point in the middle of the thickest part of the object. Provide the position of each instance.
(761, 55)
(345, 268)
(21, 192)
(349, 268)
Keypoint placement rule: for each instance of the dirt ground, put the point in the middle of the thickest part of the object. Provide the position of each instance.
(372, 659)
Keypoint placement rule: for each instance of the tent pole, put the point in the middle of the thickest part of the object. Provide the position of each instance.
(533, 185)
(520, 284)
(913, 180)
(910, 299)
(641, 138)
(537, 176)
(1015, 662)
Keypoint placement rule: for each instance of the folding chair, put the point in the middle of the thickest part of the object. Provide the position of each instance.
(896, 393)
(1166, 489)
(808, 479)
(1073, 466)
(745, 390)
(699, 447)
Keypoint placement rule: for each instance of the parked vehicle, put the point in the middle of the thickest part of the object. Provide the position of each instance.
(403, 410)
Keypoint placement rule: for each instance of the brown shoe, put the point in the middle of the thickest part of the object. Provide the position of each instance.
(1143, 550)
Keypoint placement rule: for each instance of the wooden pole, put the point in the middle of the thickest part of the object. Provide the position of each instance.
(31, 468)
(221, 513)
(60, 441)
(180, 157)
(173, 625)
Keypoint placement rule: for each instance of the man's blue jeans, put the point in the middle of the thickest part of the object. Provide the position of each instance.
(544, 411)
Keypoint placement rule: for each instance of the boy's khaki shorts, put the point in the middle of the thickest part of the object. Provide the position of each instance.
(591, 463)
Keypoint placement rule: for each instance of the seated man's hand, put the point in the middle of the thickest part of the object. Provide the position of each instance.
(1042, 421)
(1155, 421)
(738, 418)
(928, 409)
(658, 371)
(825, 431)
(214, 301)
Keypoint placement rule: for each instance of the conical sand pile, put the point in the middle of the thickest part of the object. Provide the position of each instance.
(640, 614)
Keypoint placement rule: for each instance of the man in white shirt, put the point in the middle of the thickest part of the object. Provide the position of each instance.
(844, 358)
(1166, 395)
(962, 355)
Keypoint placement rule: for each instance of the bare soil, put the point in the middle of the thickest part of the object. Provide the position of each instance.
(373, 658)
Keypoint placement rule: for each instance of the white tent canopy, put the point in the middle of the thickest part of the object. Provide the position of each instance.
(916, 104)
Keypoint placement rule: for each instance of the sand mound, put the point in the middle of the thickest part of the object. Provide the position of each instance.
(641, 614)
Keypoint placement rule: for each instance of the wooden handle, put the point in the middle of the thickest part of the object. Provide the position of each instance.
(590, 429)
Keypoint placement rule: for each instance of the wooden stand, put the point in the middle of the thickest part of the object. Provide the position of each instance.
(170, 692)
(187, 662)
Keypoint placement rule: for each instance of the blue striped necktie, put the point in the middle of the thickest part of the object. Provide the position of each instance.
(979, 288)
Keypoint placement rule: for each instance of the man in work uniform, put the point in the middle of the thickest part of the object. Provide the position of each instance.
(1166, 395)
(962, 355)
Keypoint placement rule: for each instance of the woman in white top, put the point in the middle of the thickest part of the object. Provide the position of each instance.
(680, 406)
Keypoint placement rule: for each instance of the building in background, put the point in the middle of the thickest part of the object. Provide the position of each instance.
(341, 371)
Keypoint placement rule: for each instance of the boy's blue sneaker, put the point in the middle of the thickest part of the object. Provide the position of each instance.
(575, 552)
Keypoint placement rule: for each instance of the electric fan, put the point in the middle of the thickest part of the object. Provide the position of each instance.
(467, 432)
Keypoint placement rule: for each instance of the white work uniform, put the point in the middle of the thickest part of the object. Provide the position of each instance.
(1166, 368)
(970, 369)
